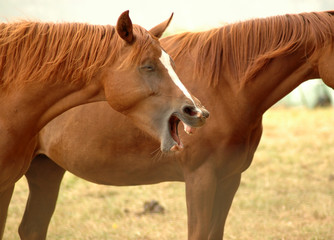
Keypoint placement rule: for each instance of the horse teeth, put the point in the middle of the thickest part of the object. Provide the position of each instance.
(189, 133)
(189, 130)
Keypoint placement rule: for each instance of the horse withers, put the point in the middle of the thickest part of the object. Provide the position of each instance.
(47, 68)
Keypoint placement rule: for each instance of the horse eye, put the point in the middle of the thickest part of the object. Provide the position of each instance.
(147, 68)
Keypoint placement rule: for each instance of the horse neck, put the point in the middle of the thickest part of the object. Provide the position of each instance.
(59, 73)
(276, 80)
(244, 102)
(31, 107)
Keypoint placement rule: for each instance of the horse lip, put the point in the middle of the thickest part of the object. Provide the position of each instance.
(192, 121)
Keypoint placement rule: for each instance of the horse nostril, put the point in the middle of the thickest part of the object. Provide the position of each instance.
(206, 113)
(190, 110)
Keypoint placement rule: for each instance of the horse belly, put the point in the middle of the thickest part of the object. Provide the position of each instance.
(120, 170)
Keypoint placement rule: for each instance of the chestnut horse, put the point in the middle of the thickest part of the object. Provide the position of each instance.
(47, 68)
(241, 69)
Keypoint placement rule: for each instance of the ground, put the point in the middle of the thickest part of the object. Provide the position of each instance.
(287, 193)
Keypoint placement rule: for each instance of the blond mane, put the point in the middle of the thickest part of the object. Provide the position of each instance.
(71, 52)
(246, 47)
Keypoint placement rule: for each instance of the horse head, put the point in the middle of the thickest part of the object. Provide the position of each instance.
(144, 86)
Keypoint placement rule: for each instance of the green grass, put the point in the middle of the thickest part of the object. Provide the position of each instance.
(286, 194)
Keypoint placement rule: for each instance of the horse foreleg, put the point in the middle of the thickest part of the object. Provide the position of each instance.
(44, 178)
(5, 197)
(222, 203)
(200, 191)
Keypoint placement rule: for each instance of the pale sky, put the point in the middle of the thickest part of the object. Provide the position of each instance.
(188, 14)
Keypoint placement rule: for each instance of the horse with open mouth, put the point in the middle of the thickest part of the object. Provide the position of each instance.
(48, 68)
(240, 70)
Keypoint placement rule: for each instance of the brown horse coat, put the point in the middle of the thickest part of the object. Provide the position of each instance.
(239, 70)
(47, 68)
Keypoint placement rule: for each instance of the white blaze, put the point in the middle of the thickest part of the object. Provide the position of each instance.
(165, 60)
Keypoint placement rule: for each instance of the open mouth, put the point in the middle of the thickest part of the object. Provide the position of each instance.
(174, 132)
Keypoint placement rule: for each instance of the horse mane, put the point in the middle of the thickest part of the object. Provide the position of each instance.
(71, 52)
(246, 47)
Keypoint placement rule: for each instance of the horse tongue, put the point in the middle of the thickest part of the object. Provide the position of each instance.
(189, 130)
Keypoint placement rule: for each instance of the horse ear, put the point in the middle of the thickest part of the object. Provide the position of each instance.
(158, 30)
(124, 27)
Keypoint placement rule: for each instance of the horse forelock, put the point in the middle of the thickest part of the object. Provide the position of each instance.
(71, 52)
(244, 48)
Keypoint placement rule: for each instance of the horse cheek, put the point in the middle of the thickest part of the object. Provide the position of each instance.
(114, 95)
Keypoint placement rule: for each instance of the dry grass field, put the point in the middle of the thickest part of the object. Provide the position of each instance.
(286, 194)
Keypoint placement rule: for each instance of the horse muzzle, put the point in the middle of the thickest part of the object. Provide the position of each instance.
(191, 118)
